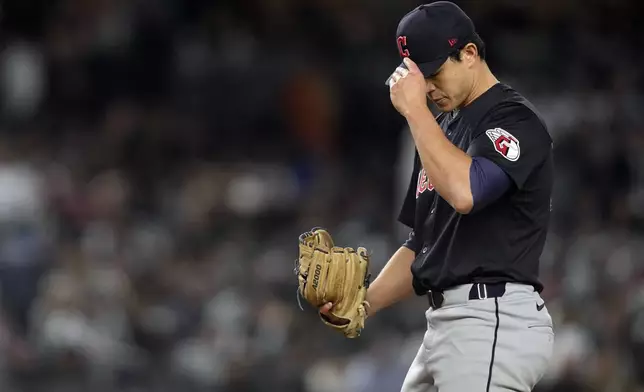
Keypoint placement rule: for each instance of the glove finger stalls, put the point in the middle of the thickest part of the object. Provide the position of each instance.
(335, 279)
(323, 238)
(353, 281)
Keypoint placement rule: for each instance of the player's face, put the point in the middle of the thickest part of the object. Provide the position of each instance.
(449, 87)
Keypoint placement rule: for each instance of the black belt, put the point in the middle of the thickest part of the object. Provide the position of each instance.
(478, 291)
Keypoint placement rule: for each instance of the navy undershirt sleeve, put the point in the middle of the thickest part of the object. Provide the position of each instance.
(488, 182)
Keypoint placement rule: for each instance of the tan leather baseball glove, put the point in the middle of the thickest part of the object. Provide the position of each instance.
(328, 273)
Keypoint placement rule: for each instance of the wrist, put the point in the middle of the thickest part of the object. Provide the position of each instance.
(373, 306)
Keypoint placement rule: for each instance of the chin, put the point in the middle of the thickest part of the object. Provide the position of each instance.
(444, 105)
(444, 108)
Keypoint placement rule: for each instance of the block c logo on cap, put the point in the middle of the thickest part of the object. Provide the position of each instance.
(402, 46)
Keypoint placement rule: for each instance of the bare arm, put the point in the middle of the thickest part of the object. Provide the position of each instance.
(446, 165)
(393, 284)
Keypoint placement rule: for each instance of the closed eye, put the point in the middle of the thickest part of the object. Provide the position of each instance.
(435, 74)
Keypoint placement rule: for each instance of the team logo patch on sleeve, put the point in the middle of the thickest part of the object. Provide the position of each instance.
(505, 143)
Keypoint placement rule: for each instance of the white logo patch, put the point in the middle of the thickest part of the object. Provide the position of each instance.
(505, 143)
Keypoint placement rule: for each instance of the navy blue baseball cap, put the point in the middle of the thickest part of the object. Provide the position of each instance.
(431, 32)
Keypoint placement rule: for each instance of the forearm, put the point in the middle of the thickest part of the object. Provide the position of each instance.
(447, 166)
(394, 283)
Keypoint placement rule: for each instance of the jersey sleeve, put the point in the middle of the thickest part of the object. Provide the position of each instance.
(413, 242)
(514, 138)
(407, 213)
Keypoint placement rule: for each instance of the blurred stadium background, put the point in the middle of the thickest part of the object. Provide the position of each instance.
(158, 160)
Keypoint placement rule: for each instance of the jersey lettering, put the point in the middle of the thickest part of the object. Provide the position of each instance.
(423, 183)
(505, 143)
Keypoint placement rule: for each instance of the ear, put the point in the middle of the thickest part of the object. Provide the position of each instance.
(469, 54)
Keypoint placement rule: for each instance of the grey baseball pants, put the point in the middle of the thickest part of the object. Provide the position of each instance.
(487, 344)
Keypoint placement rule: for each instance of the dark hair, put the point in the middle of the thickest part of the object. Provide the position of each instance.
(476, 40)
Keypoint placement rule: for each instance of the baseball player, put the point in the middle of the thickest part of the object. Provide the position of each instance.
(478, 206)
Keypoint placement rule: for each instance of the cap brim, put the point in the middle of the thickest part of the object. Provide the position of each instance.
(428, 69)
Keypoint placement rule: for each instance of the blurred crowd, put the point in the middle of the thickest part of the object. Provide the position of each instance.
(159, 158)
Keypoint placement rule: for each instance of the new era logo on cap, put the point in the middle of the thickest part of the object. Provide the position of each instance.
(452, 41)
